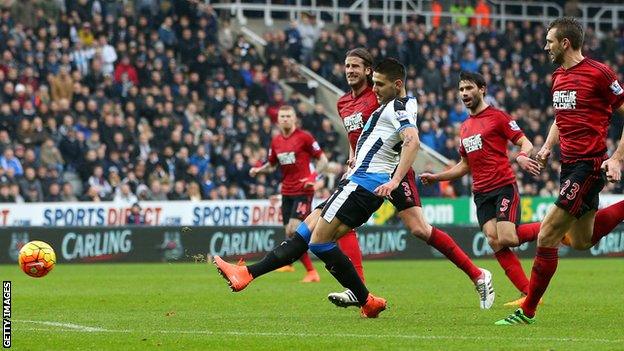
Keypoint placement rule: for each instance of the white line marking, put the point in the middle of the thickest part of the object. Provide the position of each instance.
(69, 327)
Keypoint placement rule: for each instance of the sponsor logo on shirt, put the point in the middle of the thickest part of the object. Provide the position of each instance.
(316, 146)
(514, 126)
(564, 99)
(287, 158)
(353, 122)
(616, 88)
(472, 143)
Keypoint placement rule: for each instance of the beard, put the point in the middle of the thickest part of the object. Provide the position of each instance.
(557, 57)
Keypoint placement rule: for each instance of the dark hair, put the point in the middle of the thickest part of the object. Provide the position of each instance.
(474, 77)
(391, 68)
(568, 27)
(363, 54)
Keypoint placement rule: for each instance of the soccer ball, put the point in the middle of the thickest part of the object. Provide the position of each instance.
(36, 258)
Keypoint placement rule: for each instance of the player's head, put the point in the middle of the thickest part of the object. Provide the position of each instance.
(286, 118)
(471, 89)
(388, 79)
(564, 34)
(358, 67)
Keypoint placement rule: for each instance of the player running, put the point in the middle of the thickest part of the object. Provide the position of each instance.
(585, 93)
(390, 130)
(484, 137)
(293, 149)
(355, 108)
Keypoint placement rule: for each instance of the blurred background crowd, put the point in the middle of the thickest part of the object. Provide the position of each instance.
(161, 100)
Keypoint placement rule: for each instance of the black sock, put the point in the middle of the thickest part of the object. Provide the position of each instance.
(288, 252)
(341, 267)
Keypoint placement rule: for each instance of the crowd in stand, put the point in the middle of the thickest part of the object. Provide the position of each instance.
(160, 100)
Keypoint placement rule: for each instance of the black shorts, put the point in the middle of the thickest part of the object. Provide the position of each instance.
(406, 194)
(501, 203)
(296, 206)
(352, 204)
(580, 184)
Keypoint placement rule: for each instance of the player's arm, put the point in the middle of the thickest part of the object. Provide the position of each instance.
(551, 139)
(321, 163)
(457, 171)
(411, 143)
(613, 166)
(524, 156)
(351, 160)
(265, 168)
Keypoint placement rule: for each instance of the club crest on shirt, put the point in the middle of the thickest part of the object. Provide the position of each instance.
(353, 122)
(514, 126)
(616, 88)
(286, 158)
(472, 143)
(564, 99)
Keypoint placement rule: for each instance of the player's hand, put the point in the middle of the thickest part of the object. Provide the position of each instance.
(428, 178)
(308, 182)
(613, 168)
(529, 165)
(386, 189)
(254, 171)
(542, 156)
(351, 162)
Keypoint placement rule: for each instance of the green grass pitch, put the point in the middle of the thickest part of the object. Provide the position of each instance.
(432, 306)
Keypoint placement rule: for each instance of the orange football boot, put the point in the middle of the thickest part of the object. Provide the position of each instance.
(238, 277)
(311, 277)
(373, 306)
(286, 269)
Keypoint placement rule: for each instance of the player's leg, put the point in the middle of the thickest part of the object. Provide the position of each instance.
(581, 183)
(507, 214)
(350, 246)
(238, 277)
(413, 219)
(287, 213)
(606, 220)
(348, 208)
(301, 208)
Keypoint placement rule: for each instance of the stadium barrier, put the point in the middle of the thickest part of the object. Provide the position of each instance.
(170, 244)
(438, 211)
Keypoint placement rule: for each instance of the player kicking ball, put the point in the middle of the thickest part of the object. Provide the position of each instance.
(388, 143)
(355, 109)
(483, 149)
(585, 93)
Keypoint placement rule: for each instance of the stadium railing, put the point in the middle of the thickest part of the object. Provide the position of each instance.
(601, 16)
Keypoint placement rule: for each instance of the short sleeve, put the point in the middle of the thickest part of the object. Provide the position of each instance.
(272, 155)
(510, 129)
(405, 110)
(461, 149)
(614, 93)
(312, 146)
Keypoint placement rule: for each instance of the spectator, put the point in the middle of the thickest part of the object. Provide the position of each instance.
(68, 194)
(135, 217)
(9, 161)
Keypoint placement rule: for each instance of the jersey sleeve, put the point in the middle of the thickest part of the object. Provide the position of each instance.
(510, 128)
(312, 146)
(405, 110)
(613, 91)
(461, 149)
(272, 155)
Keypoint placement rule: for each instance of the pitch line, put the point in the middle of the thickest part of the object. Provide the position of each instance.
(70, 327)
(65, 326)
